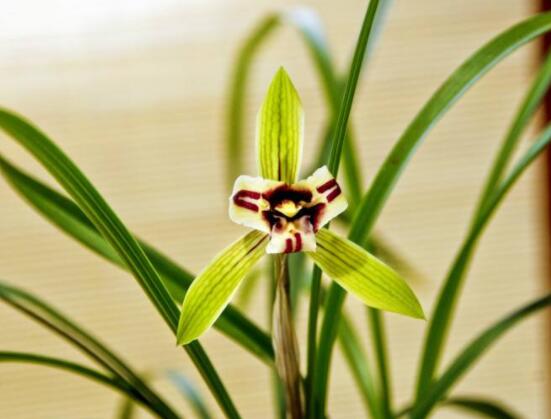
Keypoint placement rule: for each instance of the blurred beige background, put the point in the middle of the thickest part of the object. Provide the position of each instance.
(135, 92)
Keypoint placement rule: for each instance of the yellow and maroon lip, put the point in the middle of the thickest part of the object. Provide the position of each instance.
(290, 214)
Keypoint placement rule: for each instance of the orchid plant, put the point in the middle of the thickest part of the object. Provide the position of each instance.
(287, 216)
(290, 216)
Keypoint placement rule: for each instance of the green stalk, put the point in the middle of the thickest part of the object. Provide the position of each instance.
(317, 396)
(378, 337)
(285, 340)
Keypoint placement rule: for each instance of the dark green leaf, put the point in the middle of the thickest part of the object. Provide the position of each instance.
(470, 355)
(482, 407)
(111, 227)
(63, 213)
(60, 324)
(447, 298)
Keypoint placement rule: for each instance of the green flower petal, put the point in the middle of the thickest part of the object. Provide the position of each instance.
(363, 275)
(279, 131)
(212, 289)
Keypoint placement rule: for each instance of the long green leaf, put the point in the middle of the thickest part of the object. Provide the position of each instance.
(525, 112)
(355, 355)
(318, 392)
(112, 228)
(472, 352)
(482, 407)
(449, 293)
(51, 318)
(63, 213)
(81, 370)
(452, 89)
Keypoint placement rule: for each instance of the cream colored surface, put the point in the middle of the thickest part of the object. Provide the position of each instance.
(135, 93)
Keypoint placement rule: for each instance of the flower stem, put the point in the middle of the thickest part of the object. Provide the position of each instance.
(285, 340)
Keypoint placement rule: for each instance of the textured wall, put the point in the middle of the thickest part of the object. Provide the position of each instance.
(135, 93)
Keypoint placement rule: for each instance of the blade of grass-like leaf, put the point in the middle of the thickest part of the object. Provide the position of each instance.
(481, 406)
(47, 316)
(66, 215)
(190, 393)
(112, 228)
(452, 89)
(81, 370)
(318, 372)
(470, 354)
(526, 110)
(355, 355)
(449, 293)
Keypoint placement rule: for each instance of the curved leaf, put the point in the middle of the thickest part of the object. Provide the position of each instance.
(52, 319)
(111, 227)
(482, 407)
(74, 368)
(472, 352)
(525, 112)
(63, 213)
(452, 89)
(449, 293)
(395, 163)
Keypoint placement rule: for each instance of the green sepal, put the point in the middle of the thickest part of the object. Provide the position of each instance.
(212, 289)
(363, 275)
(280, 131)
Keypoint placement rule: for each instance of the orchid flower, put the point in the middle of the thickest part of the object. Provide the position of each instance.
(288, 216)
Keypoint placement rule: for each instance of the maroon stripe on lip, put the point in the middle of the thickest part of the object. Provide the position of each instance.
(326, 186)
(243, 193)
(298, 242)
(288, 246)
(240, 201)
(336, 192)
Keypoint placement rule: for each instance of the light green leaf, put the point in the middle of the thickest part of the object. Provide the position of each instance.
(213, 288)
(363, 275)
(280, 126)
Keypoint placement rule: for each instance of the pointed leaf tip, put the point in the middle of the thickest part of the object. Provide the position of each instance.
(365, 276)
(213, 288)
(279, 131)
